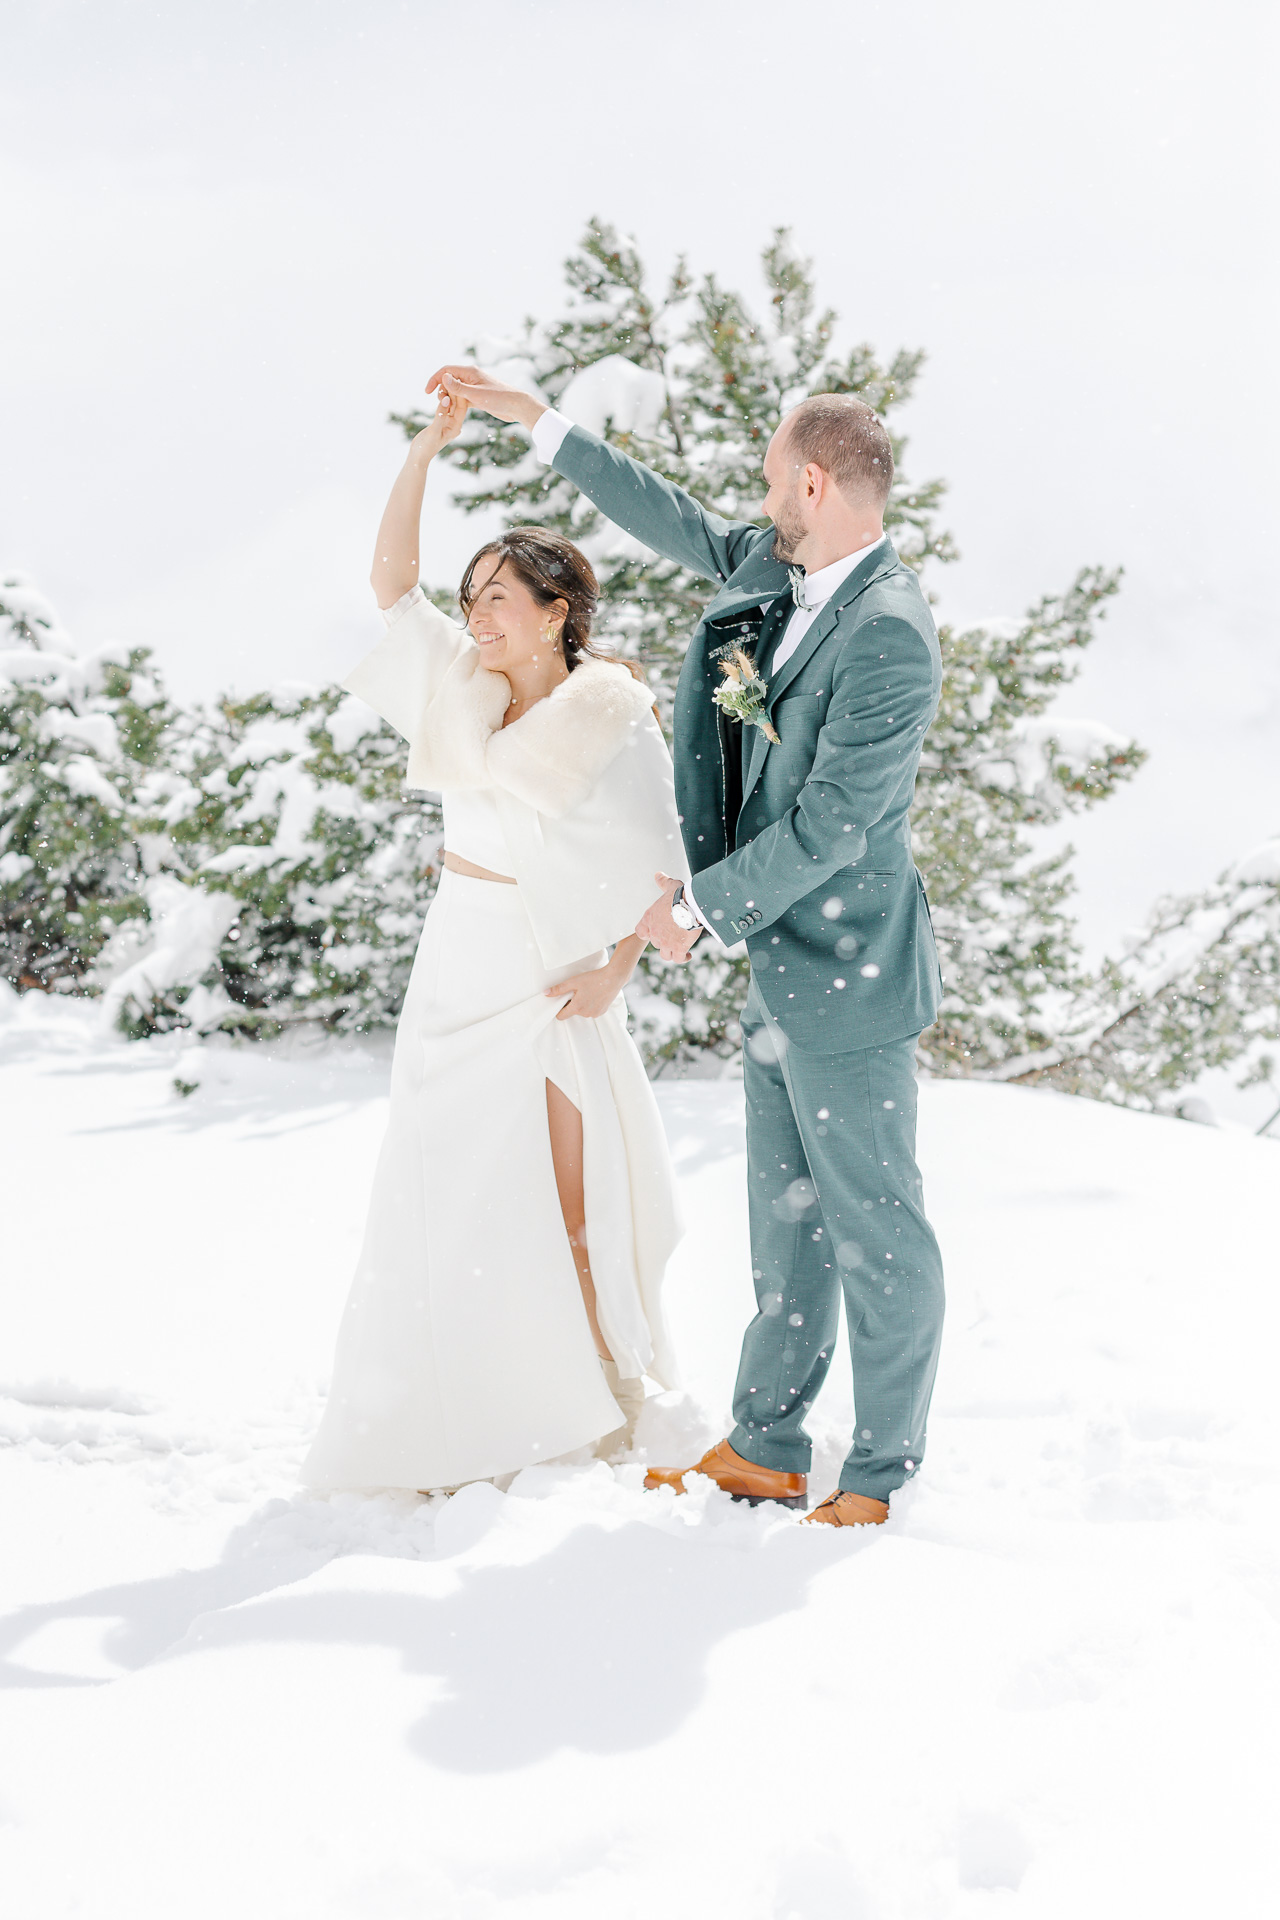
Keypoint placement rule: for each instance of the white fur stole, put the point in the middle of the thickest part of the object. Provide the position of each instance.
(551, 757)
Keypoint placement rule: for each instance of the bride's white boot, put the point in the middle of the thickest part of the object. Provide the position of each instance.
(629, 1395)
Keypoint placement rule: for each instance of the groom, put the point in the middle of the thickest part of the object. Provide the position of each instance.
(795, 822)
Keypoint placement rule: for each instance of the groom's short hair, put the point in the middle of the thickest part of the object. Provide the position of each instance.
(847, 439)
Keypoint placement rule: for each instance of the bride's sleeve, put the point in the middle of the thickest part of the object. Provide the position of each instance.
(402, 674)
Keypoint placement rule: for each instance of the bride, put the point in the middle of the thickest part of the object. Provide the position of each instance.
(507, 1300)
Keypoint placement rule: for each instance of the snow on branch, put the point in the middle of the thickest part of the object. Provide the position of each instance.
(1198, 988)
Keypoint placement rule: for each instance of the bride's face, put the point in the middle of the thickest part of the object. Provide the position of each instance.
(509, 626)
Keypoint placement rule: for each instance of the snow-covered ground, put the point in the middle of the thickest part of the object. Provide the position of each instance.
(1049, 1687)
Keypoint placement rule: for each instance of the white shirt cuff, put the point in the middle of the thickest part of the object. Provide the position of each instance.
(392, 613)
(688, 894)
(548, 431)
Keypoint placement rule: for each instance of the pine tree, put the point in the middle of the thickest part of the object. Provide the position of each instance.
(1199, 988)
(245, 865)
(289, 808)
(993, 769)
(693, 384)
(77, 737)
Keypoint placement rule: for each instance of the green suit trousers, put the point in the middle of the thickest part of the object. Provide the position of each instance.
(836, 1208)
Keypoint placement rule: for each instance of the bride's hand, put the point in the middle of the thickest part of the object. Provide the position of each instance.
(473, 388)
(445, 425)
(590, 994)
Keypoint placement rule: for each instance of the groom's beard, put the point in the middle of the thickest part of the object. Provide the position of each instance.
(788, 531)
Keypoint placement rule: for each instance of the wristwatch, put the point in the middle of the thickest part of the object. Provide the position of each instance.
(684, 916)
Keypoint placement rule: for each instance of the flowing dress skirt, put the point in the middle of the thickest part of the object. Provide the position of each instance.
(464, 1350)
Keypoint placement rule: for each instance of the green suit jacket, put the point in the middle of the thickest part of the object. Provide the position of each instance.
(802, 848)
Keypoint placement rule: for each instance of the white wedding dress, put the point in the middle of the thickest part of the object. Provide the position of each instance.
(464, 1351)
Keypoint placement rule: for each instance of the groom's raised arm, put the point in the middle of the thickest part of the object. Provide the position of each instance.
(634, 497)
(658, 513)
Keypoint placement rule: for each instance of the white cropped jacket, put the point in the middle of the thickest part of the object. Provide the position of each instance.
(583, 780)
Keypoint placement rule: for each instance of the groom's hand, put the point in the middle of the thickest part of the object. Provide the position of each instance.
(657, 926)
(478, 389)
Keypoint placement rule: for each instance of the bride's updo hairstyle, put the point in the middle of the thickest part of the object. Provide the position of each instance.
(552, 568)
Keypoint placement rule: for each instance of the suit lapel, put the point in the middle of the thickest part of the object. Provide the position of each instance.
(775, 622)
(708, 788)
(759, 747)
(823, 624)
(884, 561)
(770, 634)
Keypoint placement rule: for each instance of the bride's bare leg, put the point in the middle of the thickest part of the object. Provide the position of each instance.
(565, 1125)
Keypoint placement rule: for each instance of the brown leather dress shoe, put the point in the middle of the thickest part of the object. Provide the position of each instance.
(741, 1479)
(849, 1510)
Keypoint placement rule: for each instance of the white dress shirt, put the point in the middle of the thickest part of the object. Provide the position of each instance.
(817, 590)
(549, 431)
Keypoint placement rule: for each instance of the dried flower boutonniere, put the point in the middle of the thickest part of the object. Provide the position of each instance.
(742, 692)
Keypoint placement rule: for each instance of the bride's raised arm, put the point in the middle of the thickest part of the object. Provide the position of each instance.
(403, 673)
(395, 559)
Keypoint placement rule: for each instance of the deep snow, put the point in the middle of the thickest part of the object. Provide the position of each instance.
(1050, 1687)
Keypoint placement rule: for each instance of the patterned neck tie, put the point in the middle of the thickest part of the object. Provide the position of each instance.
(796, 575)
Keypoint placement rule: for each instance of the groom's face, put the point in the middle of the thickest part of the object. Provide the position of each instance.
(782, 502)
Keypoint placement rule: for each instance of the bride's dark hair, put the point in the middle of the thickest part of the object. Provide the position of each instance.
(553, 569)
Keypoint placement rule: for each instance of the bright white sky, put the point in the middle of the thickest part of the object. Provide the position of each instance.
(235, 236)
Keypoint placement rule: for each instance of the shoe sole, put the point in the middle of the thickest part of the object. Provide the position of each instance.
(800, 1500)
